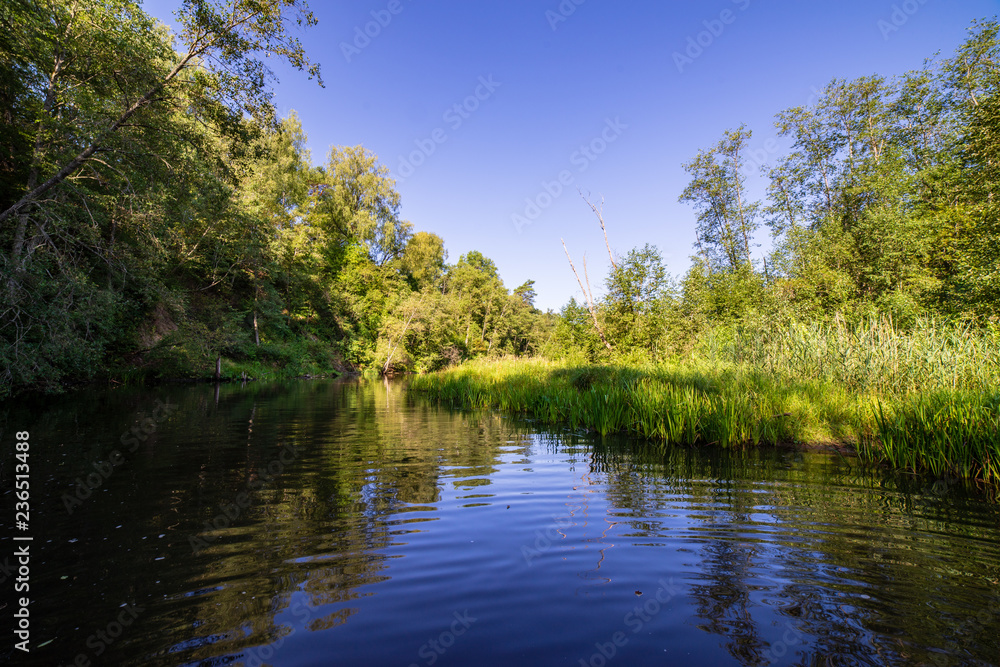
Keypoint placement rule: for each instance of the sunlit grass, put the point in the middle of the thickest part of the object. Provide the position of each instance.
(688, 405)
(923, 401)
(873, 354)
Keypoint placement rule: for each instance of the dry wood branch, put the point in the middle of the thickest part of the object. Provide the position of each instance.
(587, 295)
(599, 212)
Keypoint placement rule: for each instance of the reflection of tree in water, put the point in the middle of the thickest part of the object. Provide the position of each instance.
(724, 601)
(813, 565)
(582, 510)
(323, 530)
(639, 492)
(320, 532)
(724, 605)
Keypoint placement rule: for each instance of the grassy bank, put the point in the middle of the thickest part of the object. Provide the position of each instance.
(923, 401)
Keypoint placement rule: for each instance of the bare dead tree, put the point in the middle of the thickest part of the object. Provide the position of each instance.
(587, 294)
(599, 212)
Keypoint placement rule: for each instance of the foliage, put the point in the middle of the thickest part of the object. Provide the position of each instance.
(883, 209)
(160, 220)
(727, 220)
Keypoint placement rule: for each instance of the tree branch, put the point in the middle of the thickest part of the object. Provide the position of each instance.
(587, 296)
(600, 218)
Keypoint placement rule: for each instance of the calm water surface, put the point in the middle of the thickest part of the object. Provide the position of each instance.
(350, 523)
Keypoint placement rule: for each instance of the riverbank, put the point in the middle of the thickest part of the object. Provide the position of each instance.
(943, 432)
(298, 358)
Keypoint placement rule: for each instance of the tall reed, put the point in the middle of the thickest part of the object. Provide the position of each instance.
(923, 399)
(873, 354)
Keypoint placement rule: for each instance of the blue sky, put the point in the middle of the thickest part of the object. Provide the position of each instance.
(480, 108)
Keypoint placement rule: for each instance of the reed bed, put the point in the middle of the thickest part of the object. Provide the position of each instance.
(947, 434)
(924, 400)
(870, 355)
(673, 405)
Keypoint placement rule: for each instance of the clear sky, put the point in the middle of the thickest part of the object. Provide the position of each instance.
(612, 96)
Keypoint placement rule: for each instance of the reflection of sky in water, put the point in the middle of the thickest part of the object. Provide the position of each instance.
(400, 522)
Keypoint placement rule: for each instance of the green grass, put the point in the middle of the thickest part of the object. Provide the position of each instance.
(937, 424)
(687, 405)
(945, 433)
(871, 355)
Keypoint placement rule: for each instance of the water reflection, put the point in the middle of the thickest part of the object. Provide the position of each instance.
(802, 559)
(331, 523)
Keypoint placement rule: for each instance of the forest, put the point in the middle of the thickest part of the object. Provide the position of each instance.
(885, 207)
(160, 221)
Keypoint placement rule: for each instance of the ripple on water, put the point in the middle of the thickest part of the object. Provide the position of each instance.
(396, 516)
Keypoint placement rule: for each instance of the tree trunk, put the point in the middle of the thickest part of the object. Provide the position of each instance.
(600, 218)
(587, 295)
(385, 368)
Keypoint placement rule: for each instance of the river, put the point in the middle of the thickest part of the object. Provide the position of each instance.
(322, 523)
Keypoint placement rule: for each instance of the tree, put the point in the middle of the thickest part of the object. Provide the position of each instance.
(480, 263)
(357, 201)
(423, 260)
(638, 301)
(121, 172)
(727, 219)
(275, 191)
(971, 191)
(102, 47)
(526, 293)
(845, 201)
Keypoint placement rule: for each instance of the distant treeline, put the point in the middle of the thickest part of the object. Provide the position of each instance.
(886, 206)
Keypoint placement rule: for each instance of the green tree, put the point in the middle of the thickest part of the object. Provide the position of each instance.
(423, 259)
(639, 302)
(125, 199)
(100, 47)
(970, 192)
(727, 218)
(357, 201)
